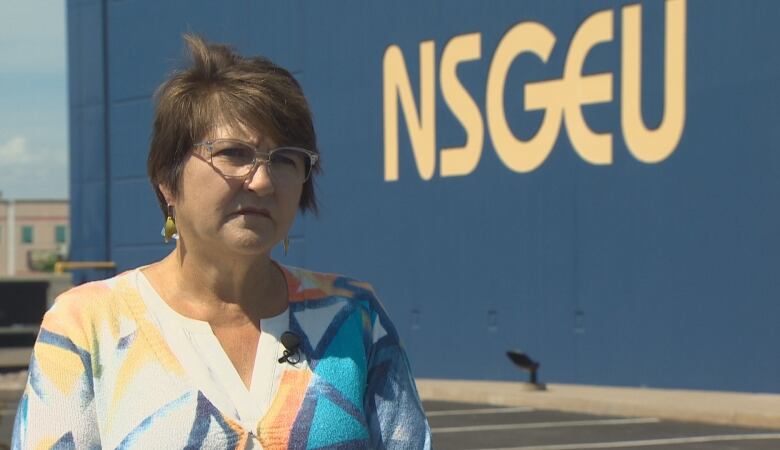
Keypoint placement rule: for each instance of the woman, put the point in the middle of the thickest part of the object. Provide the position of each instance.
(188, 352)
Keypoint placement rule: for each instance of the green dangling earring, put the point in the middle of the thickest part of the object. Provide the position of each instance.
(286, 244)
(169, 230)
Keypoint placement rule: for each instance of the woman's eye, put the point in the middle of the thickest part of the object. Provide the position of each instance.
(233, 152)
(281, 158)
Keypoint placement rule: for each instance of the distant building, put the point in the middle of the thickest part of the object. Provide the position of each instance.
(33, 234)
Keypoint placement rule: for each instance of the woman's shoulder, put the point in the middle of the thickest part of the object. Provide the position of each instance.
(93, 292)
(306, 285)
(87, 303)
(314, 292)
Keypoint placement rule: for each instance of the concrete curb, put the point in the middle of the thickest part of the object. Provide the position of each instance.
(723, 408)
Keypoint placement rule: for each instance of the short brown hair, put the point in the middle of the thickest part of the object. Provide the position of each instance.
(222, 87)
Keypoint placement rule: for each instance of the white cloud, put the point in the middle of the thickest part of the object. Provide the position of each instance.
(29, 171)
(33, 110)
(14, 151)
(17, 151)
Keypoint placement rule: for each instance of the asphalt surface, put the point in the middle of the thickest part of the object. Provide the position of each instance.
(462, 426)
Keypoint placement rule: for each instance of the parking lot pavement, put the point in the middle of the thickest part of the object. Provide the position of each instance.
(463, 426)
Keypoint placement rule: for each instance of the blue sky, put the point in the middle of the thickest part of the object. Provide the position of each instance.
(33, 99)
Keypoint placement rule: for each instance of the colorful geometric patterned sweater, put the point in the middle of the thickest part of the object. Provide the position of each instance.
(102, 376)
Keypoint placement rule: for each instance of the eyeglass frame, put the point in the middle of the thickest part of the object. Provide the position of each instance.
(313, 156)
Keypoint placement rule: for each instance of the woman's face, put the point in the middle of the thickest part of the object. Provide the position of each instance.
(246, 216)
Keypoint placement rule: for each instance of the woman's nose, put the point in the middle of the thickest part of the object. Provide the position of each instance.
(259, 179)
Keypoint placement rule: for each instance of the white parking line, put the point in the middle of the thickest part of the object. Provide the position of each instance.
(559, 424)
(458, 412)
(650, 442)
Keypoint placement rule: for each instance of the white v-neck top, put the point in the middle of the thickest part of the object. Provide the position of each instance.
(203, 358)
(105, 375)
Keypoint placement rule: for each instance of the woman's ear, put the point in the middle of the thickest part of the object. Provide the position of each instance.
(166, 193)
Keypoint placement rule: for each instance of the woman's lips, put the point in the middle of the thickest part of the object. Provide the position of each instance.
(253, 212)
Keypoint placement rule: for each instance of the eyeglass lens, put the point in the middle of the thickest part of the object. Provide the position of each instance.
(237, 159)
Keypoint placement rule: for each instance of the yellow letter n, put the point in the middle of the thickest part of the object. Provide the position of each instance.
(422, 126)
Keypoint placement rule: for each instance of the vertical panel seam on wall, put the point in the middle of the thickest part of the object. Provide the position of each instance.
(248, 18)
(576, 317)
(300, 63)
(73, 82)
(106, 134)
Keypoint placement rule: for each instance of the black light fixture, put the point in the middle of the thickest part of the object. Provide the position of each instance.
(524, 362)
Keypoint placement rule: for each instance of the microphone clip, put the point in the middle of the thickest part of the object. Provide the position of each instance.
(290, 357)
(291, 343)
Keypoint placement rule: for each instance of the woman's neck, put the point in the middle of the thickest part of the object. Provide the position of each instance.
(222, 291)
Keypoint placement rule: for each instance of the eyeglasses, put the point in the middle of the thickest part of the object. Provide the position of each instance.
(237, 159)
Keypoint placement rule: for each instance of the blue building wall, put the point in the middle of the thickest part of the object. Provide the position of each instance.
(630, 273)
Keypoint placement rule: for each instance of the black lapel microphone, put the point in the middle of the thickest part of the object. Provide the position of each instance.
(291, 343)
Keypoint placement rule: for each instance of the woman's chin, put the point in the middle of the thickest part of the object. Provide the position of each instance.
(250, 244)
